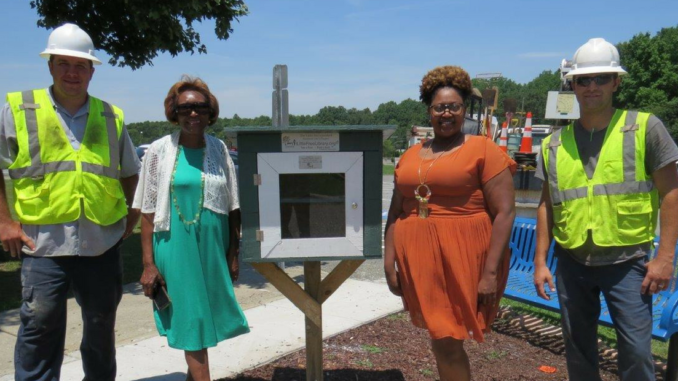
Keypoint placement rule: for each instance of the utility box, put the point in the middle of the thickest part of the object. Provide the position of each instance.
(310, 193)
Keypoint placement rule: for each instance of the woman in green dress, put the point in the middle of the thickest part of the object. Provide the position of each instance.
(190, 229)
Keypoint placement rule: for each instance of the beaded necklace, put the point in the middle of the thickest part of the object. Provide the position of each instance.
(196, 218)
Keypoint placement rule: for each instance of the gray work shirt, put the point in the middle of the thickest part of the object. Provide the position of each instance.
(81, 237)
(660, 151)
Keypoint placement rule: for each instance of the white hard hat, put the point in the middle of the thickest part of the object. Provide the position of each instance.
(595, 56)
(70, 40)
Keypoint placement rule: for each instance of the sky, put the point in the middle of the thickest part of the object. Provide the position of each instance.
(351, 53)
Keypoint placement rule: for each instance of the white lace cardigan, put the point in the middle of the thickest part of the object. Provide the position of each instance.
(152, 195)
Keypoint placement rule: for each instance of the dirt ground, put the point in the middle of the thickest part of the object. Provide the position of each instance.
(392, 349)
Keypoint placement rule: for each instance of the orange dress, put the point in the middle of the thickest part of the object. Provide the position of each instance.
(441, 258)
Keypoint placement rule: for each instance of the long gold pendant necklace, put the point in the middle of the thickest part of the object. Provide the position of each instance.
(423, 200)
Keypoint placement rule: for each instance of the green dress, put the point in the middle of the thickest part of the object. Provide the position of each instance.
(192, 259)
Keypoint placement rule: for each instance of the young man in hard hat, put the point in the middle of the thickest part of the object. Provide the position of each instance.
(604, 176)
(74, 173)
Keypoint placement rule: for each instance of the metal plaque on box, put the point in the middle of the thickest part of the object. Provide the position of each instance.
(311, 162)
(310, 141)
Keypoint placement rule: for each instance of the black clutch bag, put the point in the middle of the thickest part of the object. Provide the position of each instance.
(160, 297)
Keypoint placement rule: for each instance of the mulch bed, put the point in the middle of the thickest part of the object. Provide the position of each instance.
(392, 349)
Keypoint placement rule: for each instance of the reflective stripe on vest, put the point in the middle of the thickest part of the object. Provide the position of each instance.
(38, 170)
(630, 185)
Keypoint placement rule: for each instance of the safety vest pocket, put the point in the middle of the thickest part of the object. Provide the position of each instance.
(114, 190)
(33, 193)
(32, 197)
(38, 190)
(112, 195)
(559, 214)
(633, 217)
(105, 199)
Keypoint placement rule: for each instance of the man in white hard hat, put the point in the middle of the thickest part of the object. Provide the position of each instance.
(74, 173)
(604, 176)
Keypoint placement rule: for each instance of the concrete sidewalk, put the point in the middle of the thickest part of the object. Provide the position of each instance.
(277, 328)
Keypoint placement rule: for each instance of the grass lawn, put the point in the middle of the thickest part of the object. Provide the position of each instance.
(10, 283)
(659, 348)
(388, 169)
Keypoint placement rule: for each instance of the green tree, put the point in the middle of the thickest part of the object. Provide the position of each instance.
(404, 114)
(359, 117)
(330, 115)
(535, 93)
(303, 120)
(412, 113)
(386, 112)
(147, 132)
(529, 97)
(652, 82)
(508, 89)
(132, 32)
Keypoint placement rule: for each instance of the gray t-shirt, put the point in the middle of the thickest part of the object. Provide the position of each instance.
(81, 237)
(660, 151)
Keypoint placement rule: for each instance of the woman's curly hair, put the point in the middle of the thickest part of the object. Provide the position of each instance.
(188, 83)
(445, 76)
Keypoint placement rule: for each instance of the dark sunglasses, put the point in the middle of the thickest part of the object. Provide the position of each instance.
(600, 80)
(187, 108)
(453, 107)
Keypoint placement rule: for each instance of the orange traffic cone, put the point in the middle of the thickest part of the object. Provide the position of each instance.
(526, 142)
(503, 138)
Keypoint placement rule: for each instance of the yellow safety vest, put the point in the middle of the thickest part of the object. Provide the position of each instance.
(619, 204)
(50, 178)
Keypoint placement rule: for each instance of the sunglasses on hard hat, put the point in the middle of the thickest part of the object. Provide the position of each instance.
(600, 80)
(187, 108)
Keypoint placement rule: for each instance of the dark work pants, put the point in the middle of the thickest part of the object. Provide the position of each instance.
(97, 285)
(579, 288)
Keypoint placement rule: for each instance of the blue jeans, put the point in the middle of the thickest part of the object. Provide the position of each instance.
(579, 289)
(97, 285)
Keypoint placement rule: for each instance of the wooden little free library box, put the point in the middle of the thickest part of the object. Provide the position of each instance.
(310, 193)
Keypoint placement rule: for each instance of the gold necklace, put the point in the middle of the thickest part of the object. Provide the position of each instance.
(423, 200)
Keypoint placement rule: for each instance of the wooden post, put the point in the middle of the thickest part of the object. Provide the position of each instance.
(314, 329)
(334, 279)
(310, 301)
(291, 290)
(672, 359)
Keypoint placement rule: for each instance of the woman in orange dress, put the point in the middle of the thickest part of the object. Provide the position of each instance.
(448, 226)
